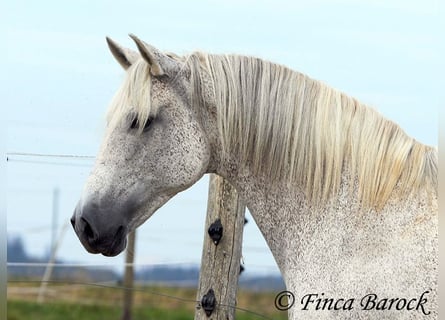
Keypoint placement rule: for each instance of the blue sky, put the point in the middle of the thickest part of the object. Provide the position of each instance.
(58, 78)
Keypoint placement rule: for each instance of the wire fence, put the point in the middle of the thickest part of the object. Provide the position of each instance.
(76, 160)
(144, 290)
(86, 161)
(42, 158)
(47, 155)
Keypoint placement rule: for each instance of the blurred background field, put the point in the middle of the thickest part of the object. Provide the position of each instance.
(161, 291)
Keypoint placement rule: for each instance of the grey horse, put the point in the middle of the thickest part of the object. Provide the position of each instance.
(346, 201)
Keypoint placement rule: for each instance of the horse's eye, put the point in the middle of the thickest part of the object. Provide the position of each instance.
(148, 123)
(135, 123)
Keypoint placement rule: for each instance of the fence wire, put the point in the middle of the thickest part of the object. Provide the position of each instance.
(48, 155)
(142, 290)
(42, 158)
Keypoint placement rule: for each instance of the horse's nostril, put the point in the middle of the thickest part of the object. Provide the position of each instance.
(88, 231)
(120, 231)
(73, 222)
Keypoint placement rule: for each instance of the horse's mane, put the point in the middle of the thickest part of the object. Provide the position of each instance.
(289, 126)
(292, 127)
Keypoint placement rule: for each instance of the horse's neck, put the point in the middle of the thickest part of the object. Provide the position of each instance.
(299, 233)
(282, 212)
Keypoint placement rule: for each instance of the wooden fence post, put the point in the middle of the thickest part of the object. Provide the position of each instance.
(128, 281)
(220, 263)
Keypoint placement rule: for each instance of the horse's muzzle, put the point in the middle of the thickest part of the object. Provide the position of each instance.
(99, 231)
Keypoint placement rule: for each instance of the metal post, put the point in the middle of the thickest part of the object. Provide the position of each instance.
(55, 217)
(129, 277)
(53, 247)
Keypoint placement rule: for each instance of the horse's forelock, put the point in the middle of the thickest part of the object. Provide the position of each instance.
(133, 95)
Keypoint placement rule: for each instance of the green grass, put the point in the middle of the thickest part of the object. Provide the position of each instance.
(83, 302)
(24, 310)
(18, 310)
(21, 310)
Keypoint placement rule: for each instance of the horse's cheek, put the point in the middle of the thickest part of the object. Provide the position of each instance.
(187, 161)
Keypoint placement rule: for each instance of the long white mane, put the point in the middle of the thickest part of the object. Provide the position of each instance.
(296, 128)
(289, 126)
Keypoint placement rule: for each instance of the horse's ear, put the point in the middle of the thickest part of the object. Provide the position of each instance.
(158, 61)
(124, 56)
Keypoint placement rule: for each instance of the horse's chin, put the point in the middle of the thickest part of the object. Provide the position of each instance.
(112, 250)
(115, 249)
(111, 253)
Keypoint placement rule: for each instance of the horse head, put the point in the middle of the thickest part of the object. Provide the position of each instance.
(154, 147)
